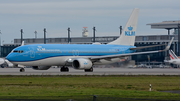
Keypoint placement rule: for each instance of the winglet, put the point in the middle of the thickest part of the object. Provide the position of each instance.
(22, 43)
(169, 45)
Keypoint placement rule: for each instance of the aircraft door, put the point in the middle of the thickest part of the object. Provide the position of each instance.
(75, 53)
(122, 50)
(32, 52)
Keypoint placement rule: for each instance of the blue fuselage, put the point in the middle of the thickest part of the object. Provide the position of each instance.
(36, 52)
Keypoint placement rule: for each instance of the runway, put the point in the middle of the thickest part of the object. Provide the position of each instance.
(97, 71)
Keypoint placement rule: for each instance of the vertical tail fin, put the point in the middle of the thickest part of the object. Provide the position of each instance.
(128, 34)
(172, 55)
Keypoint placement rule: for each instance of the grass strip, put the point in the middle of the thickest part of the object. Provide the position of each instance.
(84, 87)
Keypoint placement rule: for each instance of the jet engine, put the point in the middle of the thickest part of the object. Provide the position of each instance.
(41, 67)
(82, 63)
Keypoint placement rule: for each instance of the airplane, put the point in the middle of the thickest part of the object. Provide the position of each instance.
(4, 61)
(80, 56)
(173, 58)
(1, 61)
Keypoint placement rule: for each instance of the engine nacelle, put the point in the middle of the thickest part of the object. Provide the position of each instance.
(82, 63)
(41, 67)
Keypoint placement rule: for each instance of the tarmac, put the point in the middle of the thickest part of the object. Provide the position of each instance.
(96, 71)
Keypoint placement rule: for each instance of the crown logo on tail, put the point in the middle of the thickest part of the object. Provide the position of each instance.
(130, 28)
(130, 32)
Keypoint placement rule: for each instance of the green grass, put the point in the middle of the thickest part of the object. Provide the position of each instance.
(84, 87)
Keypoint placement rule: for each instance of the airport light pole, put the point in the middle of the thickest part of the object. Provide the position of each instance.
(35, 34)
(94, 30)
(148, 59)
(0, 42)
(120, 29)
(0, 38)
(178, 39)
(69, 34)
(44, 35)
(21, 35)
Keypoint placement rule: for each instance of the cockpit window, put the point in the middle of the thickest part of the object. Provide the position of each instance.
(15, 51)
(21, 51)
(18, 51)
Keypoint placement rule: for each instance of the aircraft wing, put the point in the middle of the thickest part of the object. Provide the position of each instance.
(95, 58)
(129, 54)
(146, 47)
(122, 55)
(107, 57)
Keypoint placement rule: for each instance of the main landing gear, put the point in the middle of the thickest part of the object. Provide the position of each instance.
(89, 70)
(64, 69)
(22, 70)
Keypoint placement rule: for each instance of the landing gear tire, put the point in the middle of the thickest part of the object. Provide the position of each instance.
(22, 70)
(89, 70)
(64, 69)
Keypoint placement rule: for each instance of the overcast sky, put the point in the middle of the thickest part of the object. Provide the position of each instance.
(57, 15)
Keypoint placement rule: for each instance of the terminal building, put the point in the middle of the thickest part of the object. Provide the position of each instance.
(140, 41)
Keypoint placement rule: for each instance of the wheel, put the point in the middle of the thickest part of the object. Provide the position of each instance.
(22, 70)
(89, 70)
(67, 69)
(64, 69)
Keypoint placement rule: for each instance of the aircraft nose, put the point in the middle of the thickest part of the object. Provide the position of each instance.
(10, 57)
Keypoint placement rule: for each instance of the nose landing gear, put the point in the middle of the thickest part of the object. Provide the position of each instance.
(22, 70)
